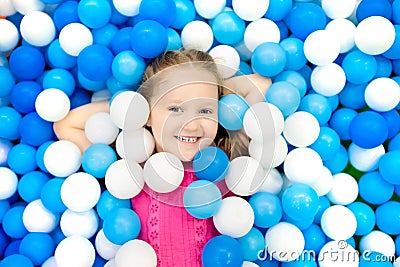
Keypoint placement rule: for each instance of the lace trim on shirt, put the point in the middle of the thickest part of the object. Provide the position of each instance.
(200, 227)
(153, 225)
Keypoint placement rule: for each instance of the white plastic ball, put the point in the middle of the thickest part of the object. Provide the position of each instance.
(7, 8)
(136, 253)
(50, 262)
(249, 264)
(62, 158)
(99, 128)
(270, 153)
(338, 253)
(137, 145)
(338, 8)
(285, 242)
(227, 59)
(104, 247)
(374, 35)
(75, 251)
(208, 9)
(101, 95)
(79, 223)
(302, 165)
(324, 182)
(80, 192)
(378, 241)
(382, 94)
(25, 6)
(37, 28)
(124, 179)
(363, 159)
(8, 183)
(52, 104)
(273, 183)
(197, 35)
(37, 218)
(250, 10)
(396, 263)
(338, 222)
(245, 176)
(328, 80)
(74, 37)
(263, 121)
(321, 47)
(127, 8)
(261, 31)
(163, 172)
(344, 190)
(110, 263)
(301, 129)
(234, 218)
(129, 110)
(343, 30)
(9, 35)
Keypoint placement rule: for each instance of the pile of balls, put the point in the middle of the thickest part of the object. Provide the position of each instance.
(333, 184)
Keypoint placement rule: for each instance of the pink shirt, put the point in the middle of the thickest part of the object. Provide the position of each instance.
(177, 237)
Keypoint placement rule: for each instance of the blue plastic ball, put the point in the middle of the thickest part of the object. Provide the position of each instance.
(105, 34)
(314, 238)
(352, 95)
(94, 62)
(318, 106)
(38, 247)
(389, 167)
(26, 63)
(359, 67)
(368, 122)
(340, 122)
(97, 158)
(278, 9)
(384, 67)
(394, 143)
(202, 199)
(267, 261)
(302, 224)
(149, 38)
(267, 209)
(51, 195)
(108, 202)
(12, 248)
(392, 118)
(228, 28)
(34, 130)
(10, 120)
(23, 96)
(306, 261)
(327, 144)
(244, 69)
(89, 84)
(174, 40)
(65, 13)
(7, 81)
(231, 110)
(323, 205)
(268, 59)
(40, 155)
(365, 217)
(16, 260)
(128, 68)
(221, 251)
(79, 97)
(295, 58)
(121, 225)
(285, 96)
(253, 244)
(57, 58)
(4, 240)
(114, 86)
(22, 158)
(121, 40)
(294, 78)
(94, 13)
(185, 13)
(211, 163)
(370, 8)
(4, 207)
(373, 259)
(60, 79)
(338, 163)
(162, 11)
(30, 185)
(306, 18)
(394, 51)
(12, 222)
(374, 189)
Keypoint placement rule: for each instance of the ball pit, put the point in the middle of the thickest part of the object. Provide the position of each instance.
(332, 113)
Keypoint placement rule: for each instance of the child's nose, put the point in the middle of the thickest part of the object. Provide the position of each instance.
(192, 125)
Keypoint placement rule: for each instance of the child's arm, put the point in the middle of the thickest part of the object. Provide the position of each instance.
(72, 127)
(252, 87)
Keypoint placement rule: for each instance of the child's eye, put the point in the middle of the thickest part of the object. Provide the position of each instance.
(175, 109)
(206, 111)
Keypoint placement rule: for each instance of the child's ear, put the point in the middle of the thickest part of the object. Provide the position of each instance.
(148, 123)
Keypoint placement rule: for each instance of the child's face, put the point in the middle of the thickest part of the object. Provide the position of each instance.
(185, 119)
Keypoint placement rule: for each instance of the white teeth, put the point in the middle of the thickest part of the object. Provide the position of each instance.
(187, 139)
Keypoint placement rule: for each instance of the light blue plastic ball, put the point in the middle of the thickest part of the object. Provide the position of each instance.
(294, 78)
(228, 28)
(294, 48)
(338, 163)
(60, 79)
(352, 95)
(327, 144)
(97, 158)
(7, 81)
(128, 68)
(30, 185)
(285, 96)
(185, 13)
(267, 209)
(365, 217)
(108, 202)
(387, 217)
(253, 244)
(268, 59)
(51, 195)
(121, 225)
(389, 167)
(340, 122)
(57, 58)
(22, 158)
(12, 222)
(359, 67)
(374, 189)
(314, 238)
(231, 110)
(94, 13)
(318, 106)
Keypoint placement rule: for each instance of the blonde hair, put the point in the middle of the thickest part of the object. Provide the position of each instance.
(234, 143)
